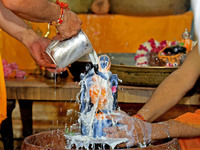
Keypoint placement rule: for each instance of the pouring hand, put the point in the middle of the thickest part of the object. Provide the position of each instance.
(37, 46)
(70, 26)
(137, 131)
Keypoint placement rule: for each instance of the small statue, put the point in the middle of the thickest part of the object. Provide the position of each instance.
(101, 87)
(186, 41)
(98, 97)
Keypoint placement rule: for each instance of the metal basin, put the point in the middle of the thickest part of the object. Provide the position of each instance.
(55, 140)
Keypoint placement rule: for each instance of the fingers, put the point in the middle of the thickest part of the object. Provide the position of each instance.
(116, 118)
(117, 135)
(50, 66)
(128, 144)
(131, 139)
(44, 63)
(110, 129)
(61, 70)
(122, 145)
(117, 129)
(55, 70)
(70, 26)
(65, 36)
(68, 35)
(57, 37)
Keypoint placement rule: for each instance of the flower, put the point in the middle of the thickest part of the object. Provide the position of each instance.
(11, 70)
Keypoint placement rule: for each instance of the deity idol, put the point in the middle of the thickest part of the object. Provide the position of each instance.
(98, 97)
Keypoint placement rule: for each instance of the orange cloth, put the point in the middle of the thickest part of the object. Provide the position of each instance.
(112, 33)
(3, 106)
(190, 144)
(190, 118)
(124, 34)
(194, 120)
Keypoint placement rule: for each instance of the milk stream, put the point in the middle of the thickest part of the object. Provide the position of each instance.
(88, 118)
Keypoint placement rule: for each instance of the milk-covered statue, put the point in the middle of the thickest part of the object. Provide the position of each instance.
(98, 98)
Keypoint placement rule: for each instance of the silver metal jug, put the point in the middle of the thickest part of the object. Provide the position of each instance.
(64, 53)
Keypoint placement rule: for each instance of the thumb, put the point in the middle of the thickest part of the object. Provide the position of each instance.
(57, 37)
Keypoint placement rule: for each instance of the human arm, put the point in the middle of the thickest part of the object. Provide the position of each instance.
(173, 88)
(175, 129)
(45, 11)
(17, 28)
(141, 133)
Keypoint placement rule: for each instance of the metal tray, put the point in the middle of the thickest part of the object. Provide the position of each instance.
(141, 76)
(123, 64)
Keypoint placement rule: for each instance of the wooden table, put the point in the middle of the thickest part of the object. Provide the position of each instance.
(36, 87)
(39, 88)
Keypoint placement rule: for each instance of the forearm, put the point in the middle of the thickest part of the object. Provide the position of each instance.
(173, 129)
(15, 26)
(168, 94)
(173, 88)
(34, 10)
(11, 23)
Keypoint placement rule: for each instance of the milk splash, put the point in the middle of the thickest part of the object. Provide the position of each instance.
(98, 97)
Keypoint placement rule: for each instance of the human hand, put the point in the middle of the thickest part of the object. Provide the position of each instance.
(37, 46)
(137, 131)
(70, 26)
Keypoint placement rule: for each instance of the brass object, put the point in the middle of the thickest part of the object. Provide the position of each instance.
(48, 30)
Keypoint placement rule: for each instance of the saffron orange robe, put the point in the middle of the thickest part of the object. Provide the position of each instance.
(192, 119)
(3, 105)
